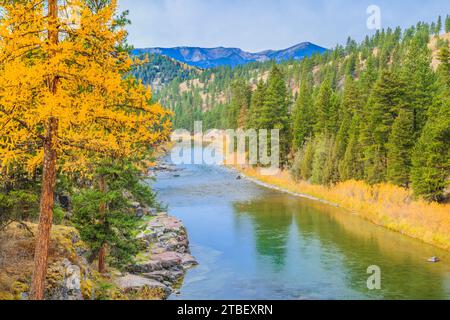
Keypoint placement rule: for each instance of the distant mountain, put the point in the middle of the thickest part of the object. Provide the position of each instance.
(214, 57)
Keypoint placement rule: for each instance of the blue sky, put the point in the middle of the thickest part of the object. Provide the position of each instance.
(256, 25)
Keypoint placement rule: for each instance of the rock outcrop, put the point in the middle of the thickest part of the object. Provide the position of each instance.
(68, 285)
(69, 275)
(135, 284)
(158, 270)
(166, 259)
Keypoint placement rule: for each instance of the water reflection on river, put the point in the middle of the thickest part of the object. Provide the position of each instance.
(257, 243)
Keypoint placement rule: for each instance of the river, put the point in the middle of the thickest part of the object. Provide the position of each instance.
(257, 243)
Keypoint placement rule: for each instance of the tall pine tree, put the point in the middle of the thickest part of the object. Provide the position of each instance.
(323, 106)
(387, 99)
(401, 142)
(257, 105)
(275, 111)
(431, 157)
(420, 81)
(304, 116)
(447, 24)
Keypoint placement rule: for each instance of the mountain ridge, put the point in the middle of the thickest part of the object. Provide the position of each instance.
(206, 58)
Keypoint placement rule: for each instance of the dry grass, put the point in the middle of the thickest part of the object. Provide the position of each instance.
(17, 252)
(384, 204)
(16, 266)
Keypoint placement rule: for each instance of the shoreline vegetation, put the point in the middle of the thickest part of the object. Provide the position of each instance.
(384, 204)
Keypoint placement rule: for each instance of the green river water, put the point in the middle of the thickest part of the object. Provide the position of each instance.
(257, 243)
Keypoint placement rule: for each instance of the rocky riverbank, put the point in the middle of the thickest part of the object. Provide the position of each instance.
(163, 264)
(157, 272)
(161, 267)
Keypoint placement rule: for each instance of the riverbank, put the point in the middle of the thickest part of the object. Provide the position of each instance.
(165, 260)
(384, 205)
(156, 273)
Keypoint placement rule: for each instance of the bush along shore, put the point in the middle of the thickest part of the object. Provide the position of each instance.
(155, 273)
(385, 205)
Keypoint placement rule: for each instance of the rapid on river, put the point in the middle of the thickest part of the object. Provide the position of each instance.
(252, 242)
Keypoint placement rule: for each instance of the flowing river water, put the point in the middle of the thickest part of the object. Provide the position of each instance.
(253, 242)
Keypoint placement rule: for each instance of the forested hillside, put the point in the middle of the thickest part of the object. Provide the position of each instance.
(377, 111)
(157, 70)
(210, 91)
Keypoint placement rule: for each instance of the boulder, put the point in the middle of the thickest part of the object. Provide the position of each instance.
(172, 245)
(168, 259)
(165, 275)
(73, 281)
(136, 283)
(188, 261)
(151, 212)
(140, 213)
(145, 267)
(65, 281)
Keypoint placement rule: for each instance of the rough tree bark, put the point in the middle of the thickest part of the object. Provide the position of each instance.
(48, 176)
(101, 259)
(46, 212)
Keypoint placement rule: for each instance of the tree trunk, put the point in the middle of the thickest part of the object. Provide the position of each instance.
(48, 176)
(46, 212)
(101, 259)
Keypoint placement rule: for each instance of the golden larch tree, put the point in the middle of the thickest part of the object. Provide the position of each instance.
(65, 97)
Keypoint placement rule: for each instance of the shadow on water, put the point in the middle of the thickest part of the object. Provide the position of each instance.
(257, 243)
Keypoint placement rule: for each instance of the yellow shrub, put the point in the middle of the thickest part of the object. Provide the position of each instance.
(383, 204)
(6, 296)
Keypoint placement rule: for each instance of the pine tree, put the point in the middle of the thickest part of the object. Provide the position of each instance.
(368, 77)
(352, 164)
(431, 156)
(322, 108)
(275, 112)
(350, 107)
(387, 99)
(401, 142)
(303, 116)
(106, 219)
(257, 105)
(420, 80)
(431, 165)
(447, 24)
(330, 171)
(239, 105)
(322, 165)
(306, 160)
(439, 25)
(433, 27)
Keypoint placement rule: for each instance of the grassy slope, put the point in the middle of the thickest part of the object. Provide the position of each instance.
(16, 266)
